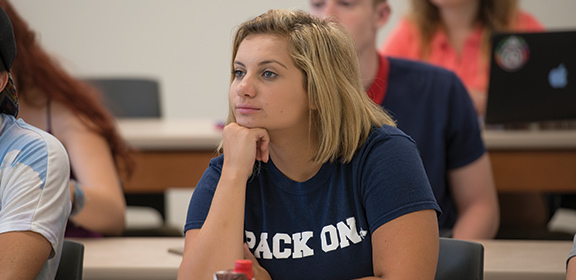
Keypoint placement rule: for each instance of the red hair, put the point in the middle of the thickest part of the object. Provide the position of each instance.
(35, 69)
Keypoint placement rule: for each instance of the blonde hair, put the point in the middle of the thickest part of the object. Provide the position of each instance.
(494, 15)
(343, 114)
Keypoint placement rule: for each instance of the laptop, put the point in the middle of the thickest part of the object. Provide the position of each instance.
(532, 77)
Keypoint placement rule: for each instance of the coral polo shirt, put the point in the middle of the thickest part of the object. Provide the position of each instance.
(404, 42)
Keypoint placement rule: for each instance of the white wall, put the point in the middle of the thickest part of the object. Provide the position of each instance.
(184, 44)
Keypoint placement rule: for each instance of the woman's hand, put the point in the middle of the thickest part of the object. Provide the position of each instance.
(218, 243)
(242, 146)
(479, 98)
(259, 272)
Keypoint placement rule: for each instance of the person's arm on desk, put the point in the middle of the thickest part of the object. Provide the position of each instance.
(475, 195)
(571, 269)
(571, 263)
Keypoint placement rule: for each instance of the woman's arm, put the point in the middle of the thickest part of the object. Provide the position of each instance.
(406, 247)
(475, 196)
(93, 166)
(571, 269)
(219, 242)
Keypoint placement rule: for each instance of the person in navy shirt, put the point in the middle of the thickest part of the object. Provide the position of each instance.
(432, 106)
(315, 181)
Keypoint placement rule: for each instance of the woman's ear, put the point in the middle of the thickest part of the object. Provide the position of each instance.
(313, 106)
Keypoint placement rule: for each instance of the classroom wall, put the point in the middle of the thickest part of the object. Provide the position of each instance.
(183, 44)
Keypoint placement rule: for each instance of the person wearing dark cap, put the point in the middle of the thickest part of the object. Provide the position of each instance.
(68, 108)
(34, 174)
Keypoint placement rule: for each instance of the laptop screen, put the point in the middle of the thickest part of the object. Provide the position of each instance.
(532, 77)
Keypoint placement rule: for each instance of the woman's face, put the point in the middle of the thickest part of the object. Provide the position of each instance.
(268, 89)
(358, 16)
(452, 3)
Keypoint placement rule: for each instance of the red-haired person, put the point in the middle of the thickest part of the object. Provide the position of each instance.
(34, 174)
(52, 100)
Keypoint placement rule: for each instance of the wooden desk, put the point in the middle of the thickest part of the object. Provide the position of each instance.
(175, 153)
(170, 153)
(533, 161)
(148, 258)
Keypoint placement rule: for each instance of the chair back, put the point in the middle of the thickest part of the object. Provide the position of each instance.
(71, 262)
(459, 259)
(129, 97)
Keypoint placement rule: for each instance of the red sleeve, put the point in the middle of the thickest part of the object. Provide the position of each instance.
(527, 22)
(403, 41)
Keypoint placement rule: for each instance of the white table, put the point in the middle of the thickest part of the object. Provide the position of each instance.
(202, 134)
(529, 139)
(148, 258)
(131, 258)
(173, 134)
(525, 259)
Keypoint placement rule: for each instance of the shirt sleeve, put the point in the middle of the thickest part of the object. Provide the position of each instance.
(403, 41)
(35, 194)
(527, 22)
(394, 182)
(203, 195)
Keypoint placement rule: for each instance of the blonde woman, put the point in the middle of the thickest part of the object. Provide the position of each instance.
(315, 180)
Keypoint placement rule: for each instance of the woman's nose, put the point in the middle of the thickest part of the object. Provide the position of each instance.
(330, 11)
(246, 87)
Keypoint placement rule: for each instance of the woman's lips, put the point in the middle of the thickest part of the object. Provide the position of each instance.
(246, 109)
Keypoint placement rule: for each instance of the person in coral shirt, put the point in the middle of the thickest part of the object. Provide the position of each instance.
(455, 34)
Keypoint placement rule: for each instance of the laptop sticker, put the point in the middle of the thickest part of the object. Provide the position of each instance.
(512, 53)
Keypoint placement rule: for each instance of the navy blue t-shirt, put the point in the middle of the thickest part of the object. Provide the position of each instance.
(432, 105)
(321, 228)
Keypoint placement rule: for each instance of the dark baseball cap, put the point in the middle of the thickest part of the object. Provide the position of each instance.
(8, 95)
(7, 42)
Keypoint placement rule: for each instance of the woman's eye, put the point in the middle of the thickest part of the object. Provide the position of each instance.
(346, 3)
(317, 5)
(268, 74)
(238, 74)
